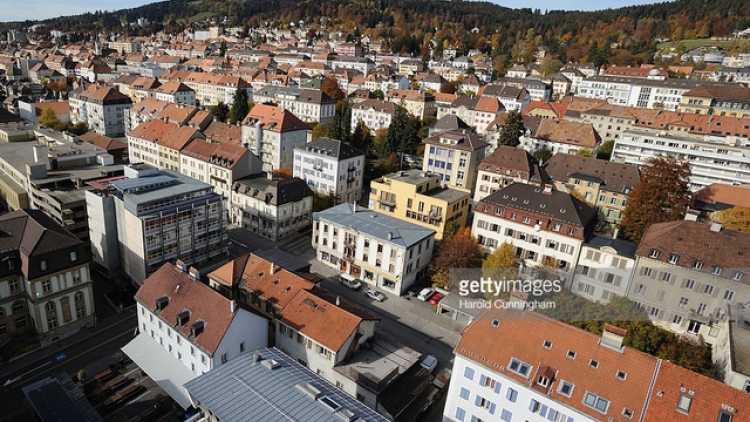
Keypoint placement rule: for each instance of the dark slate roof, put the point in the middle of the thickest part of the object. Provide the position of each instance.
(448, 122)
(59, 400)
(623, 247)
(245, 390)
(332, 148)
(614, 177)
(37, 237)
(465, 140)
(560, 206)
(8, 117)
(278, 191)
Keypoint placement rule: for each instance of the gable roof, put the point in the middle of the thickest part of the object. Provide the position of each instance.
(614, 177)
(499, 335)
(718, 193)
(35, 236)
(186, 293)
(695, 242)
(319, 319)
(274, 119)
(559, 206)
(570, 133)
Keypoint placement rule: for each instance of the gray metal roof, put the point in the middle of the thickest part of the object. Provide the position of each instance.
(245, 390)
(159, 187)
(623, 247)
(374, 224)
(59, 400)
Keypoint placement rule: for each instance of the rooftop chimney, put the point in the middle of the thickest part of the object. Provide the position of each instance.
(715, 227)
(194, 273)
(390, 235)
(691, 215)
(613, 336)
(547, 188)
(338, 300)
(273, 268)
(232, 306)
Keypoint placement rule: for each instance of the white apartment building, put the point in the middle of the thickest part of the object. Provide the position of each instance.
(332, 166)
(272, 134)
(309, 105)
(376, 114)
(160, 216)
(176, 92)
(186, 329)
(717, 159)
(382, 251)
(539, 369)
(604, 269)
(273, 208)
(103, 109)
(546, 227)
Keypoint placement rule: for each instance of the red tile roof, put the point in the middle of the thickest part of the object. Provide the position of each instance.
(274, 119)
(186, 293)
(522, 335)
(708, 397)
(570, 133)
(724, 194)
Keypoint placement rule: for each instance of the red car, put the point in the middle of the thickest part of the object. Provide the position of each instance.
(436, 298)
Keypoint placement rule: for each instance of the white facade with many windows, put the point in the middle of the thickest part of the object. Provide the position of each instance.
(477, 393)
(331, 166)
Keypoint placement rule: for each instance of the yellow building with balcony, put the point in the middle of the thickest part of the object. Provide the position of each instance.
(420, 198)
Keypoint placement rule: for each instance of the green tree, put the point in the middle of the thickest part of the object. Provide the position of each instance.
(323, 200)
(320, 131)
(661, 195)
(378, 93)
(585, 152)
(400, 133)
(361, 137)
(79, 128)
(450, 230)
(240, 106)
(542, 155)
(512, 129)
(220, 111)
(605, 150)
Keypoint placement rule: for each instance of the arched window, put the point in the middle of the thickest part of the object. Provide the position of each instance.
(78, 296)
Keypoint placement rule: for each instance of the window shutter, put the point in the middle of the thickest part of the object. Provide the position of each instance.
(478, 401)
(498, 386)
(492, 409)
(716, 292)
(617, 280)
(605, 294)
(698, 287)
(532, 405)
(592, 273)
(543, 411)
(589, 254)
(482, 379)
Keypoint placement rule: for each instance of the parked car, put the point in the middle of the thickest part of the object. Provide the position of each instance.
(429, 363)
(436, 298)
(350, 282)
(425, 294)
(414, 290)
(374, 294)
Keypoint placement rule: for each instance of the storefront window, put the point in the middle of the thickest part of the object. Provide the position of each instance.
(389, 284)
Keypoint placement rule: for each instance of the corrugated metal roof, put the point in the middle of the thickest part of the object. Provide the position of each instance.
(271, 395)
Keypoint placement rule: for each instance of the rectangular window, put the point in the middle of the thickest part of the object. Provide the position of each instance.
(595, 402)
(511, 395)
(506, 416)
(460, 414)
(464, 394)
(469, 373)
(520, 368)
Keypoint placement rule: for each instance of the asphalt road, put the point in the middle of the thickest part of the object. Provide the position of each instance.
(80, 351)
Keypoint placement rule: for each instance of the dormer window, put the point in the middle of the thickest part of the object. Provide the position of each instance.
(571, 354)
(73, 256)
(542, 380)
(654, 253)
(621, 375)
(673, 258)
(716, 270)
(43, 265)
(697, 265)
(547, 344)
(683, 403)
(594, 364)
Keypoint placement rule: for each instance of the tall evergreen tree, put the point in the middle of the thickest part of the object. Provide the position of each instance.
(512, 129)
(663, 194)
(240, 107)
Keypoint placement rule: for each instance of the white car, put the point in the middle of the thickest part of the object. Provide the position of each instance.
(425, 294)
(375, 295)
(350, 282)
